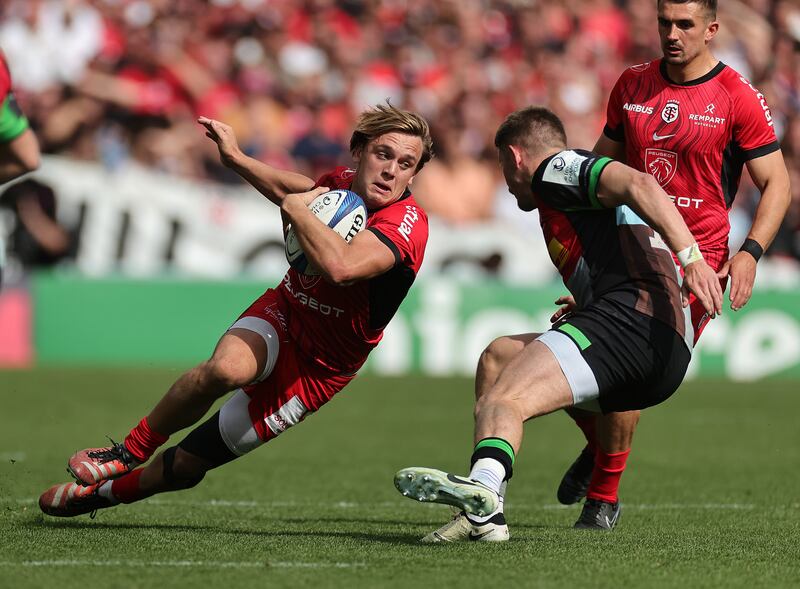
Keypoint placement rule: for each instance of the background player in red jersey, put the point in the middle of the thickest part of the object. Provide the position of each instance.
(298, 344)
(19, 150)
(693, 123)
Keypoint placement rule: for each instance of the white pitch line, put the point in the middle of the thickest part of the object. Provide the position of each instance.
(182, 563)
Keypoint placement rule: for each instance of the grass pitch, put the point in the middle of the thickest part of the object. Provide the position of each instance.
(710, 497)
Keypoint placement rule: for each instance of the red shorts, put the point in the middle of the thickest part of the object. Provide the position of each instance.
(698, 311)
(291, 386)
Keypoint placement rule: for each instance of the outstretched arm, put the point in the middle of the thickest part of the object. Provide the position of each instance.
(622, 185)
(273, 183)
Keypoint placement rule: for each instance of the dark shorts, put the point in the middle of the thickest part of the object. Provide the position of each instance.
(617, 359)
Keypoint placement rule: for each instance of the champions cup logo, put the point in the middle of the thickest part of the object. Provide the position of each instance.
(661, 164)
(670, 111)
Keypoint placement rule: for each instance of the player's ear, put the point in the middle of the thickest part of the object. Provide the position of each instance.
(711, 31)
(516, 153)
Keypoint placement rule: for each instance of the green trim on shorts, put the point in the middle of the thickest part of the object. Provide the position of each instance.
(594, 176)
(498, 443)
(576, 334)
(12, 122)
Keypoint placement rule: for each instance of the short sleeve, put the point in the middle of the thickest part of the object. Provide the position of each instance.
(403, 228)
(568, 180)
(615, 128)
(753, 127)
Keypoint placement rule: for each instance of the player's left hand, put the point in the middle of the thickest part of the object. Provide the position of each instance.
(702, 280)
(568, 305)
(742, 270)
(304, 198)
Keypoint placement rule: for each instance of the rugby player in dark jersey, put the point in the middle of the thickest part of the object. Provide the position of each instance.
(693, 123)
(627, 343)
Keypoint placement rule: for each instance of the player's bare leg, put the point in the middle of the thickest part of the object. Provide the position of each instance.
(493, 527)
(531, 384)
(238, 359)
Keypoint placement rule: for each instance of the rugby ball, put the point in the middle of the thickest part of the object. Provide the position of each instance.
(341, 210)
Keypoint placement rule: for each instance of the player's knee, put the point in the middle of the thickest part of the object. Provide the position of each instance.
(183, 470)
(228, 372)
(497, 354)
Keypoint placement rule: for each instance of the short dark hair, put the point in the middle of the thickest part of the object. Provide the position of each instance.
(532, 128)
(386, 118)
(709, 5)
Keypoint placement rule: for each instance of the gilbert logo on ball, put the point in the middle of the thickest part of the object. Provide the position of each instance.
(341, 210)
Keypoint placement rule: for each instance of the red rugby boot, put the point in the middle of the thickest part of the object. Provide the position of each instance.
(71, 499)
(95, 465)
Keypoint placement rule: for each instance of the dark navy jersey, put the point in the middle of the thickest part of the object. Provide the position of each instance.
(608, 253)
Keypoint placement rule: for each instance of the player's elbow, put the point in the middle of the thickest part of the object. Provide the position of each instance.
(641, 187)
(339, 273)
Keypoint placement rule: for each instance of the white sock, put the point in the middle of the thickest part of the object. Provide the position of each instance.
(104, 490)
(502, 491)
(490, 472)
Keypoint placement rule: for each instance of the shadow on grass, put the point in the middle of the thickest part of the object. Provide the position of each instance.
(384, 538)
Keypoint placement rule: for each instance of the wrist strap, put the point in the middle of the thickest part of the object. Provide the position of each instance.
(689, 255)
(752, 247)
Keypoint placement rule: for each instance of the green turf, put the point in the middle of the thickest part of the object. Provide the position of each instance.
(710, 499)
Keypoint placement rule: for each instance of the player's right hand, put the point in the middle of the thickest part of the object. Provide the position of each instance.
(225, 139)
(568, 305)
(702, 280)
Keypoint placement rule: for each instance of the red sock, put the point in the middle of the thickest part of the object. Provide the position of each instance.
(126, 487)
(608, 469)
(142, 441)
(587, 425)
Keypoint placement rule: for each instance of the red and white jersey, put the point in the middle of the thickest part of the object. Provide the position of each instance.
(694, 139)
(338, 326)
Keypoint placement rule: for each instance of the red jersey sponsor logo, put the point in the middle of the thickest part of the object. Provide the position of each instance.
(661, 164)
(310, 302)
(761, 99)
(409, 219)
(646, 110)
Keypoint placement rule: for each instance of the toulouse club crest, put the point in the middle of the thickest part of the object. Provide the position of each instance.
(669, 114)
(661, 164)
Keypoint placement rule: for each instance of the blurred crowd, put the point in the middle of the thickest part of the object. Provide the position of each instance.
(123, 80)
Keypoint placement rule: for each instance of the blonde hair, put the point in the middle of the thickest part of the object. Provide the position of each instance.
(385, 118)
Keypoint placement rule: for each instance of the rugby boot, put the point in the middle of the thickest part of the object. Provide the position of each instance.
(598, 515)
(95, 465)
(71, 499)
(577, 478)
(435, 486)
(463, 527)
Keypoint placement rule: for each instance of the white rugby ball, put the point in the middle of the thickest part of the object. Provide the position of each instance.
(341, 210)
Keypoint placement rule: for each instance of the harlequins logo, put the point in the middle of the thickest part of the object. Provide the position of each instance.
(661, 164)
(669, 113)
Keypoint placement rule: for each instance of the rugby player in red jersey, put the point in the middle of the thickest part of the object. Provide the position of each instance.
(299, 343)
(692, 122)
(626, 345)
(19, 150)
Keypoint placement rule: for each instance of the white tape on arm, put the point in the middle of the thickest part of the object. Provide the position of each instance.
(689, 255)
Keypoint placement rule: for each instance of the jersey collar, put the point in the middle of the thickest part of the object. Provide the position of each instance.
(662, 67)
